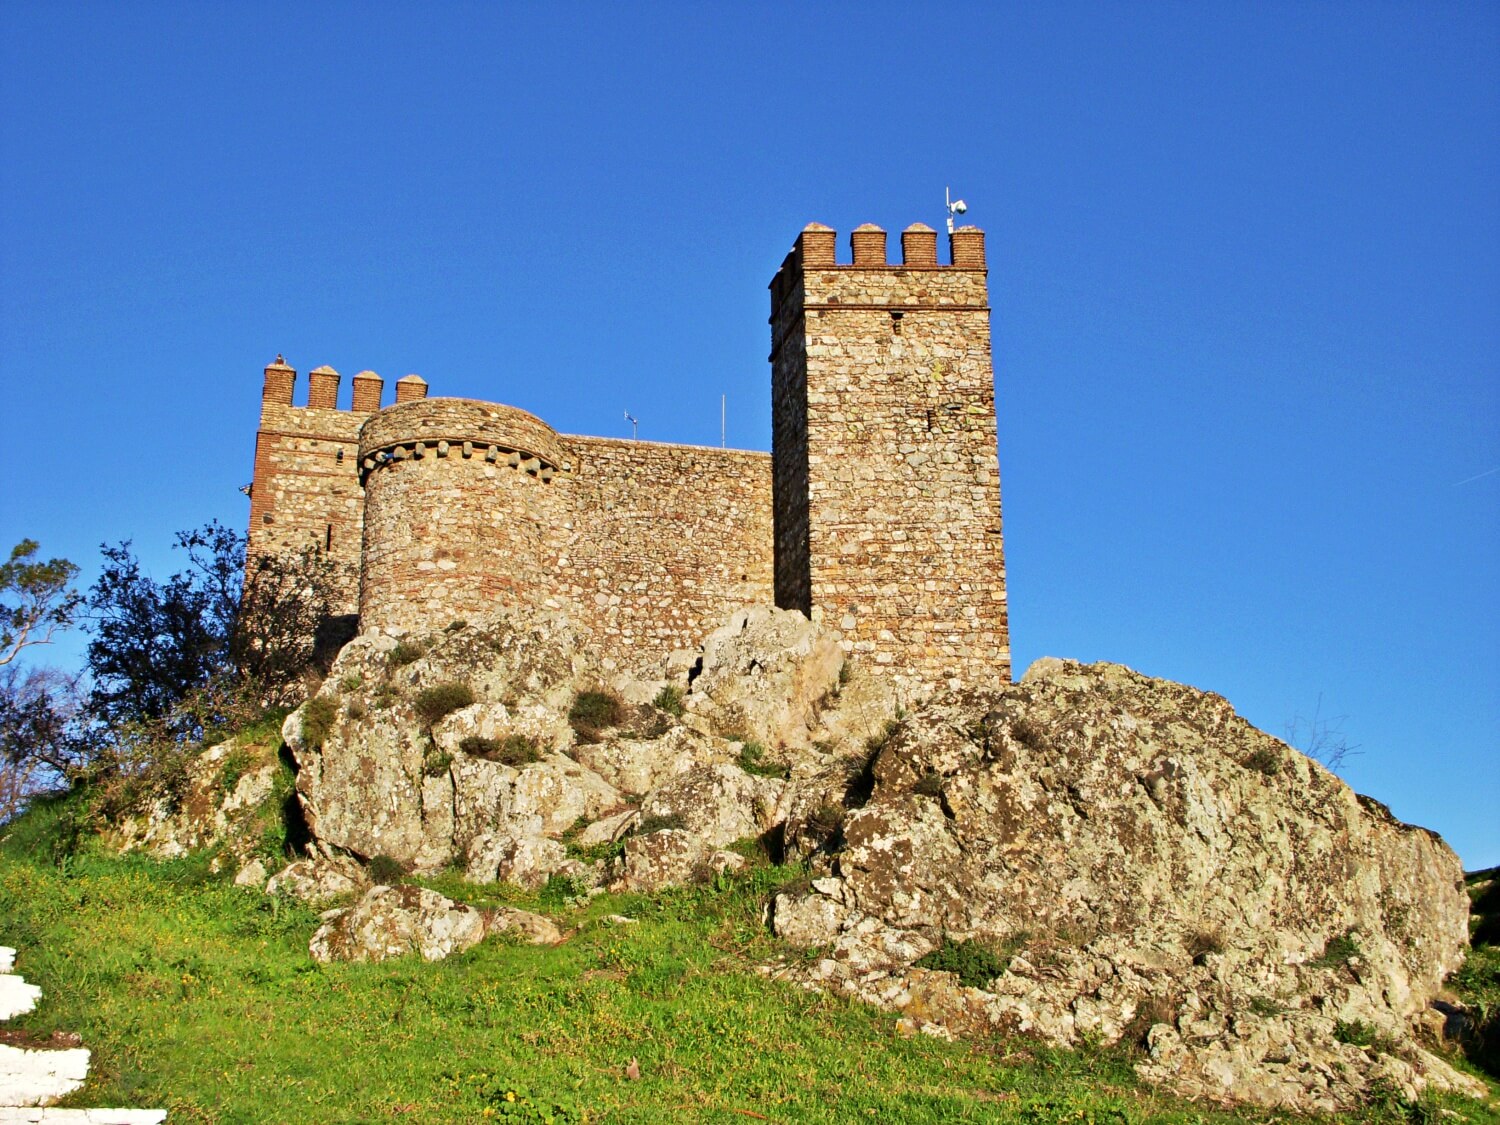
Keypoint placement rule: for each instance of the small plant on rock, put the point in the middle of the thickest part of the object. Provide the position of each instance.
(974, 962)
(234, 766)
(594, 712)
(435, 762)
(513, 750)
(318, 716)
(439, 700)
(386, 871)
(661, 823)
(669, 699)
(753, 760)
(1339, 951)
(384, 698)
(405, 652)
(1264, 760)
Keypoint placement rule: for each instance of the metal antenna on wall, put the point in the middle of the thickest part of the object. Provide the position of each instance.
(629, 417)
(723, 413)
(955, 207)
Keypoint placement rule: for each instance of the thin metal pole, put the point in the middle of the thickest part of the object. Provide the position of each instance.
(723, 408)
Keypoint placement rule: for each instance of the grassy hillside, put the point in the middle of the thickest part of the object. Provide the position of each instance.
(200, 996)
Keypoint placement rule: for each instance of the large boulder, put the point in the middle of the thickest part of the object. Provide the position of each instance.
(1143, 863)
(394, 921)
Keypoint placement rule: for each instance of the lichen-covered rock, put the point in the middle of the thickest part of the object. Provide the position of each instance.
(393, 921)
(1154, 867)
(223, 801)
(530, 928)
(317, 879)
(716, 804)
(765, 675)
(637, 766)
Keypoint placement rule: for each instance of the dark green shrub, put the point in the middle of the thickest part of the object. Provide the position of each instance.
(356, 709)
(351, 682)
(975, 963)
(441, 699)
(1264, 760)
(235, 763)
(1265, 1006)
(1339, 951)
(669, 699)
(435, 763)
(930, 784)
(594, 712)
(662, 823)
(512, 750)
(752, 760)
(384, 698)
(405, 652)
(386, 871)
(318, 716)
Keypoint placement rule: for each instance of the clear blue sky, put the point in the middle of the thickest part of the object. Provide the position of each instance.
(1245, 267)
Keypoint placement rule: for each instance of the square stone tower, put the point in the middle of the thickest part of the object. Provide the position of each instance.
(886, 480)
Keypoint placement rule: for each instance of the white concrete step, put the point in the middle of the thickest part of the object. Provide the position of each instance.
(16, 996)
(32, 1078)
(47, 1116)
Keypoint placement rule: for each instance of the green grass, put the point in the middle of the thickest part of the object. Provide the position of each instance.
(200, 997)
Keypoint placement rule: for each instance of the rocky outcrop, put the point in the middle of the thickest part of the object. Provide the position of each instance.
(1141, 863)
(222, 801)
(765, 676)
(502, 783)
(395, 921)
(1131, 858)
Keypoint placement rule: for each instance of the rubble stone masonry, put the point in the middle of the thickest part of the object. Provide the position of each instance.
(878, 510)
(887, 486)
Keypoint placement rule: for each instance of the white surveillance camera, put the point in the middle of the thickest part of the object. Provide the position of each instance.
(959, 206)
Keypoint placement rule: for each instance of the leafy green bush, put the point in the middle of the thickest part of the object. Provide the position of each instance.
(669, 699)
(318, 716)
(512, 750)
(593, 712)
(442, 699)
(235, 763)
(385, 870)
(975, 962)
(435, 762)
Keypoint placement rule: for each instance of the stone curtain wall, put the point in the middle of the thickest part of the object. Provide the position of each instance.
(474, 506)
(661, 542)
(302, 494)
(902, 498)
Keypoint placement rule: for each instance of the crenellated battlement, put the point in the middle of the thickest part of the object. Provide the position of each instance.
(440, 427)
(280, 389)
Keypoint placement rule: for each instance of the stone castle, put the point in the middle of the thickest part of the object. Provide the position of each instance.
(877, 510)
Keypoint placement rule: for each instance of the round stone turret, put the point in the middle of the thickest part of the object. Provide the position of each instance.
(458, 500)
